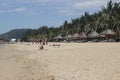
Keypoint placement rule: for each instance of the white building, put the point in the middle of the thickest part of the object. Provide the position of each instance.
(13, 40)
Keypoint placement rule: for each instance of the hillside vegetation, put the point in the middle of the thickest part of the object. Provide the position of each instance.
(16, 33)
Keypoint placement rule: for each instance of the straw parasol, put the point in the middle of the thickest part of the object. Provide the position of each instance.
(68, 36)
(102, 36)
(58, 37)
(76, 35)
(93, 34)
(108, 32)
(83, 35)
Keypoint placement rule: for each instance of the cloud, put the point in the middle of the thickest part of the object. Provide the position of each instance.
(78, 7)
(22, 9)
(3, 4)
(66, 12)
(34, 1)
(44, 1)
(92, 4)
(63, 7)
(89, 4)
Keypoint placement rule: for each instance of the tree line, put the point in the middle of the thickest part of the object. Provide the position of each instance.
(107, 18)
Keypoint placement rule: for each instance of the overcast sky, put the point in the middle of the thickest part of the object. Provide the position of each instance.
(36, 13)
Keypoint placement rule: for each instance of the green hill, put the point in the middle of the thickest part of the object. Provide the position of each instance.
(16, 33)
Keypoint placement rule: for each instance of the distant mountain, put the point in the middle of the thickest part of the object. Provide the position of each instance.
(16, 33)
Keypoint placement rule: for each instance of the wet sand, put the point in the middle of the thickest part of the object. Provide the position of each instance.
(70, 61)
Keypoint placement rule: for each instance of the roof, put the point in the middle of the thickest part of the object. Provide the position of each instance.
(76, 35)
(68, 36)
(108, 32)
(83, 35)
(93, 34)
(58, 37)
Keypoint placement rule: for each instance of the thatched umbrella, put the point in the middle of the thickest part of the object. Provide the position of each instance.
(76, 36)
(68, 36)
(82, 35)
(108, 32)
(58, 37)
(102, 36)
(93, 34)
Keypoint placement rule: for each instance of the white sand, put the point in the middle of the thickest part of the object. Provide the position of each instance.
(70, 61)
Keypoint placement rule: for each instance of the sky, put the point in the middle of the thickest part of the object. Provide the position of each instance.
(17, 14)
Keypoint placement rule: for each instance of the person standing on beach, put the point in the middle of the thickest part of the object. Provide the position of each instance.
(40, 41)
(46, 41)
(41, 45)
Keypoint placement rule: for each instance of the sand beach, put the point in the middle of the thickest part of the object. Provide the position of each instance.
(70, 61)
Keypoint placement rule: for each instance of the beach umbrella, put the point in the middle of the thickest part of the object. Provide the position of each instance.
(58, 37)
(68, 36)
(102, 36)
(108, 32)
(76, 35)
(83, 35)
(93, 34)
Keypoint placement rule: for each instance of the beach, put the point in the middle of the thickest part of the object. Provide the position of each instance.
(69, 61)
